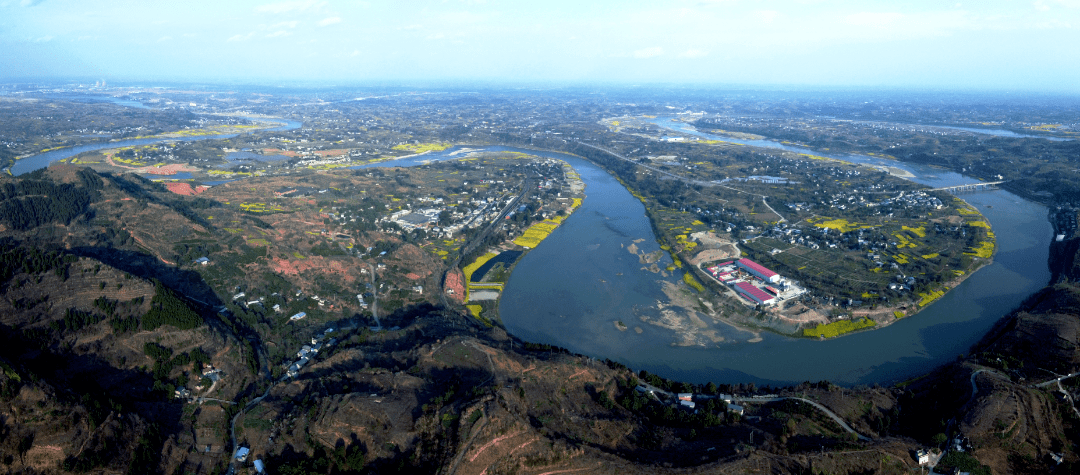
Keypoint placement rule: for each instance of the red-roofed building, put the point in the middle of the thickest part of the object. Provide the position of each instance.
(753, 293)
(758, 270)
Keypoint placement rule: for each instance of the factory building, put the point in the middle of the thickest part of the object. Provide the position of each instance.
(757, 270)
(755, 294)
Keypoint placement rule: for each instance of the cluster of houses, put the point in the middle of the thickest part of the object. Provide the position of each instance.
(686, 400)
(845, 200)
(482, 210)
(242, 455)
(913, 199)
(307, 352)
(861, 239)
(239, 298)
(209, 372)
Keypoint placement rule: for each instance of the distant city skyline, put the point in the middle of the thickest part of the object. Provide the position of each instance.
(986, 45)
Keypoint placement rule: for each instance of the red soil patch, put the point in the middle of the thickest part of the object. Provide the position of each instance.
(322, 264)
(412, 276)
(185, 188)
(332, 153)
(169, 169)
(276, 151)
(455, 281)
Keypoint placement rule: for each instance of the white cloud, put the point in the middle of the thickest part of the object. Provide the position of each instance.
(278, 33)
(289, 6)
(873, 19)
(42, 39)
(164, 38)
(329, 21)
(693, 53)
(356, 52)
(239, 37)
(1041, 5)
(1052, 25)
(285, 24)
(649, 52)
(414, 26)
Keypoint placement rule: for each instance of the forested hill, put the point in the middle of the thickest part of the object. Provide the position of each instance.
(30, 202)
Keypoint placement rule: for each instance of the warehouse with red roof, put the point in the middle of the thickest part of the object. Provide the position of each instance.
(755, 294)
(757, 270)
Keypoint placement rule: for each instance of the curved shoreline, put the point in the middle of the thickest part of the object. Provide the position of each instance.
(534, 239)
(63, 152)
(883, 319)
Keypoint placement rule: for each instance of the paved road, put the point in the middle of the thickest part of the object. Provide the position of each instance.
(232, 428)
(832, 415)
(974, 388)
(1061, 388)
(374, 297)
(470, 246)
(683, 179)
(200, 400)
(761, 400)
(1055, 380)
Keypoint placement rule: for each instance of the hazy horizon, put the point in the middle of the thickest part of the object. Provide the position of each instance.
(921, 45)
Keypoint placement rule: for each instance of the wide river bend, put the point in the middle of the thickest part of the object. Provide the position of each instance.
(571, 289)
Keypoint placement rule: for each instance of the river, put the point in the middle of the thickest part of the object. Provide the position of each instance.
(571, 289)
(42, 160)
(573, 286)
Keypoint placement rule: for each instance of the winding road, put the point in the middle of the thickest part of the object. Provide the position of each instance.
(683, 179)
(761, 400)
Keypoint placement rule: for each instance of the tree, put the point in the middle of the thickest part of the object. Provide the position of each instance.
(939, 439)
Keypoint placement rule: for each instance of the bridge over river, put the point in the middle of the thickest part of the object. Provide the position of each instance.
(970, 187)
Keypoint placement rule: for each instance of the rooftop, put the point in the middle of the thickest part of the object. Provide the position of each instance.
(749, 264)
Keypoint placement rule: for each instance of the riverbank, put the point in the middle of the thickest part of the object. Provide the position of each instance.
(482, 296)
(795, 317)
(831, 318)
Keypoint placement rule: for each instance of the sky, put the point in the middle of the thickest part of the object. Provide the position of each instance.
(1019, 45)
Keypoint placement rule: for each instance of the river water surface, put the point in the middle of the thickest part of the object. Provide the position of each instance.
(42, 160)
(571, 289)
(573, 286)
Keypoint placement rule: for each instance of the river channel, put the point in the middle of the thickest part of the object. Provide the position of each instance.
(578, 282)
(573, 286)
(42, 160)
